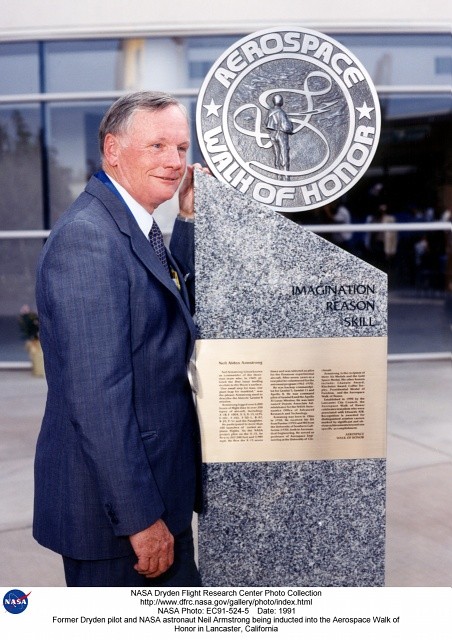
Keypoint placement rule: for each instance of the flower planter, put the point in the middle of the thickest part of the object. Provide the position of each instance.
(36, 356)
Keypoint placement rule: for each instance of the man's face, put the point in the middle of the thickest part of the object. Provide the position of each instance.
(149, 160)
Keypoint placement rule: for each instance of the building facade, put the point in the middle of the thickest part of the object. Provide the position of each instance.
(61, 67)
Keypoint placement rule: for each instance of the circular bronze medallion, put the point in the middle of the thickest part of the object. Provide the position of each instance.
(289, 117)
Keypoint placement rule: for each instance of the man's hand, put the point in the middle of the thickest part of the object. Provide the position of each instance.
(186, 192)
(154, 548)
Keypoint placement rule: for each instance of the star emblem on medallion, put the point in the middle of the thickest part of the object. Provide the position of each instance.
(212, 108)
(364, 111)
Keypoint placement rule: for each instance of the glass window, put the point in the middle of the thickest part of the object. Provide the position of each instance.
(410, 171)
(413, 156)
(90, 65)
(20, 168)
(74, 153)
(443, 64)
(202, 53)
(398, 107)
(401, 59)
(18, 260)
(19, 68)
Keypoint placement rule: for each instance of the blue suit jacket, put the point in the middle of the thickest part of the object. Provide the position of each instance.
(119, 443)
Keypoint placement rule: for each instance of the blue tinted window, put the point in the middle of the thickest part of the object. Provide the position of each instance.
(401, 59)
(20, 167)
(91, 65)
(19, 68)
(73, 150)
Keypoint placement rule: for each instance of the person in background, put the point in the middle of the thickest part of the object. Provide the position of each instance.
(382, 245)
(338, 213)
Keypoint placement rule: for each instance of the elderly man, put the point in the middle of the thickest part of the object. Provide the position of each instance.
(117, 470)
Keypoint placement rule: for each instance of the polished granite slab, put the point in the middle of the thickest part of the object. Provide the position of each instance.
(317, 523)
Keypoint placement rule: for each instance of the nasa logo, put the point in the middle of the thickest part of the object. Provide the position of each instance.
(290, 118)
(15, 601)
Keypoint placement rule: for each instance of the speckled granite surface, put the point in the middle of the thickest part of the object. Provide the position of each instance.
(316, 523)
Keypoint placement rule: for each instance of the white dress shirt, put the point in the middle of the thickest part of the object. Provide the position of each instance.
(144, 218)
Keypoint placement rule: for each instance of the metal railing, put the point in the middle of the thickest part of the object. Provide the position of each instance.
(192, 92)
(381, 226)
(19, 234)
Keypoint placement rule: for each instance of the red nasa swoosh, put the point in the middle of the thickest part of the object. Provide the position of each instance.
(23, 597)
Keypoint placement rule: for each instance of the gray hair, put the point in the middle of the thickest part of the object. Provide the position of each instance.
(118, 117)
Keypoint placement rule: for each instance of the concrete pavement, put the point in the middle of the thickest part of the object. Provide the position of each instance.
(419, 504)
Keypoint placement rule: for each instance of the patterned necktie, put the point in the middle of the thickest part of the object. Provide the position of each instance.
(156, 238)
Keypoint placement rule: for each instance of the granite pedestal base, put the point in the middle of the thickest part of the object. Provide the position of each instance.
(276, 523)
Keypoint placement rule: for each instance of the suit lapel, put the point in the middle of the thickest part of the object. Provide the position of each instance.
(141, 247)
(183, 287)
